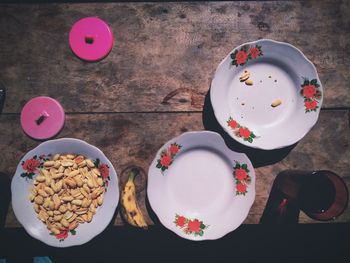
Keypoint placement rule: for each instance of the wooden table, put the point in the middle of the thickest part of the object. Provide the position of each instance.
(154, 84)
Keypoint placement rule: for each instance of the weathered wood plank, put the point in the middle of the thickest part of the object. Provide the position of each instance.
(133, 139)
(162, 50)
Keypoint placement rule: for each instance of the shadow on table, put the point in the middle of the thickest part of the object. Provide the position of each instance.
(5, 197)
(257, 157)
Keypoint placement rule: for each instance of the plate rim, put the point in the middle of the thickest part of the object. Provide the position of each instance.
(99, 228)
(308, 125)
(167, 224)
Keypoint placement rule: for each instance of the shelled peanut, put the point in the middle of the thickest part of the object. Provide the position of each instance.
(67, 192)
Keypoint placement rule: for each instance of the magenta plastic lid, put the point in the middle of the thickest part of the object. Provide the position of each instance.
(42, 117)
(91, 39)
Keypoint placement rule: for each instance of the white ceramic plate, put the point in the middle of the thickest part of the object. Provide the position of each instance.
(199, 188)
(22, 183)
(278, 71)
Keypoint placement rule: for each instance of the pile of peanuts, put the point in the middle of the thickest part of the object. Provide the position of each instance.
(67, 192)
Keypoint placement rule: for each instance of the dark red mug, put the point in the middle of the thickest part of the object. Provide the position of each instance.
(322, 195)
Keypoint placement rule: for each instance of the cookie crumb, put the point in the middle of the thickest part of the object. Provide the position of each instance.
(249, 82)
(276, 103)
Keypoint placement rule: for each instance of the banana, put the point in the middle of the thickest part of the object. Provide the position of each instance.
(130, 209)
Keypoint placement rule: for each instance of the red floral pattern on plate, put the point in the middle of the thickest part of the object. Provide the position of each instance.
(240, 131)
(167, 156)
(241, 175)
(190, 226)
(64, 234)
(311, 93)
(30, 166)
(241, 57)
(104, 170)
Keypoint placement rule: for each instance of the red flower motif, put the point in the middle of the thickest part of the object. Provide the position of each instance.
(233, 124)
(30, 165)
(181, 221)
(244, 132)
(254, 52)
(309, 91)
(240, 174)
(62, 235)
(241, 188)
(166, 160)
(104, 170)
(174, 149)
(310, 105)
(194, 226)
(241, 57)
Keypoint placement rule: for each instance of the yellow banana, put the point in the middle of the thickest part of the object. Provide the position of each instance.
(130, 209)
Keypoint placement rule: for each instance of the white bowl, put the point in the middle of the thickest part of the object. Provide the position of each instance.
(278, 71)
(193, 187)
(23, 208)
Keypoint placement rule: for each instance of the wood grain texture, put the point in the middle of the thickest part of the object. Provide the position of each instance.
(164, 54)
(134, 139)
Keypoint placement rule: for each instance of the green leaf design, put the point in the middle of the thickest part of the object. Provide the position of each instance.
(97, 162)
(73, 232)
(159, 165)
(252, 135)
(23, 174)
(313, 81)
(201, 233)
(163, 168)
(244, 166)
(237, 166)
(232, 56)
(250, 139)
(202, 226)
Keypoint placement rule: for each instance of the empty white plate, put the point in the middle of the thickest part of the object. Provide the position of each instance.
(199, 188)
(279, 102)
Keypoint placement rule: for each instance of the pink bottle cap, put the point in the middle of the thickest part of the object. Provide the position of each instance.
(42, 117)
(91, 39)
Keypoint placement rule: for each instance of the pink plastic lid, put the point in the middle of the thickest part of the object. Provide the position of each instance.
(42, 117)
(91, 39)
